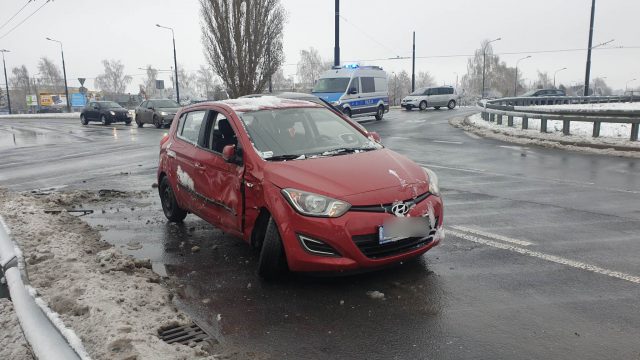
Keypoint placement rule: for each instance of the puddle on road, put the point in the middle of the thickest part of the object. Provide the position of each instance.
(13, 137)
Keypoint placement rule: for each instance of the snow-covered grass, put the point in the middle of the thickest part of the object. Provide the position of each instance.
(12, 344)
(114, 303)
(604, 106)
(73, 115)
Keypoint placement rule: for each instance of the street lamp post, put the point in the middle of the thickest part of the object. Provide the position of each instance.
(175, 61)
(515, 87)
(484, 61)
(6, 82)
(626, 86)
(64, 72)
(554, 76)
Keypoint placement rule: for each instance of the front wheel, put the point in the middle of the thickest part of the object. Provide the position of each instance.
(170, 207)
(83, 120)
(451, 104)
(273, 261)
(104, 121)
(423, 105)
(347, 112)
(380, 113)
(157, 122)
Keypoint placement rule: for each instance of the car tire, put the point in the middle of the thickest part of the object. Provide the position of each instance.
(408, 108)
(423, 105)
(157, 122)
(172, 211)
(127, 122)
(347, 112)
(83, 120)
(380, 113)
(103, 120)
(451, 105)
(272, 263)
(437, 107)
(140, 124)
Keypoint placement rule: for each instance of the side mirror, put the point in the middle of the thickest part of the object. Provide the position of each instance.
(229, 153)
(375, 137)
(352, 91)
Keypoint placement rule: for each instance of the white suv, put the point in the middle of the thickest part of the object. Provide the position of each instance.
(435, 97)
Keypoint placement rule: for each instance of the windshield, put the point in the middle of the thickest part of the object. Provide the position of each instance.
(165, 104)
(303, 132)
(109, 104)
(530, 93)
(331, 85)
(418, 92)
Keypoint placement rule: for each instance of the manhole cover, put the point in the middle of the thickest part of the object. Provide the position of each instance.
(186, 334)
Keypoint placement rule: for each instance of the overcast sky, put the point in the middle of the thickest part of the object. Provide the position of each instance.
(93, 30)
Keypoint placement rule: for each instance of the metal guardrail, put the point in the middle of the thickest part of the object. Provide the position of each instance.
(525, 108)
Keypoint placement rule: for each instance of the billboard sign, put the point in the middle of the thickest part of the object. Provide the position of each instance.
(53, 100)
(78, 100)
(32, 100)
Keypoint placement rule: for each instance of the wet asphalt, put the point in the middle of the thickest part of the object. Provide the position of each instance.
(540, 259)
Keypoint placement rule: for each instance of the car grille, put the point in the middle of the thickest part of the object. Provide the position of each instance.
(370, 245)
(386, 208)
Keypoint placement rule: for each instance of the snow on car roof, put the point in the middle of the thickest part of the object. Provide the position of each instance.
(265, 102)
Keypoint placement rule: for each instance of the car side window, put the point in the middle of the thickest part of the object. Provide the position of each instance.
(449, 91)
(149, 104)
(355, 84)
(220, 134)
(368, 84)
(189, 129)
(144, 104)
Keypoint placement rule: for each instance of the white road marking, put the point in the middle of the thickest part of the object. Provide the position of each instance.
(519, 148)
(448, 142)
(550, 258)
(493, 236)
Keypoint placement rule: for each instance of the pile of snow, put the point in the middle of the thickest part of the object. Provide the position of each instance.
(73, 115)
(262, 102)
(12, 344)
(587, 107)
(114, 303)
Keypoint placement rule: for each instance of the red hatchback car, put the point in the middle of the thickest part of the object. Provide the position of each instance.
(311, 189)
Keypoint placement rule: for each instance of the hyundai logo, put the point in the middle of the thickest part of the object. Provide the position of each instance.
(400, 209)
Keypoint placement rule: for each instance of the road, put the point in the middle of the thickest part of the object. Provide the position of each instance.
(540, 259)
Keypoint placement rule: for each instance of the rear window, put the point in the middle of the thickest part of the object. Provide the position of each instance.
(189, 129)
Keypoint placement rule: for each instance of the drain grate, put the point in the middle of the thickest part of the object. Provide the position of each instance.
(185, 335)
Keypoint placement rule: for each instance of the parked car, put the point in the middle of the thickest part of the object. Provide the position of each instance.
(355, 90)
(50, 109)
(545, 92)
(435, 97)
(106, 112)
(159, 112)
(309, 188)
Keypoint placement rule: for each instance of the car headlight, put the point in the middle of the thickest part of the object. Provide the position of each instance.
(163, 113)
(311, 204)
(434, 187)
(335, 103)
(113, 113)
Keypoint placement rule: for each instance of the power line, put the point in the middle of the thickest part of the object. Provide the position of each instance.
(25, 19)
(367, 35)
(16, 14)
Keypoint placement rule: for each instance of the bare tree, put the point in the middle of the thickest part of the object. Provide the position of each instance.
(281, 82)
(50, 75)
(544, 81)
(113, 80)
(148, 87)
(188, 83)
(499, 78)
(399, 87)
(21, 87)
(601, 88)
(243, 41)
(424, 79)
(205, 81)
(310, 67)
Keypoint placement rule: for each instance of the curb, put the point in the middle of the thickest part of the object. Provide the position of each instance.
(44, 336)
(603, 149)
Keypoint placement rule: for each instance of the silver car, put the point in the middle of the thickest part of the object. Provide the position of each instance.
(159, 112)
(435, 97)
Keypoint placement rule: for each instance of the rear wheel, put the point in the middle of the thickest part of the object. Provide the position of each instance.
(380, 113)
(347, 112)
(157, 122)
(83, 120)
(423, 105)
(104, 121)
(273, 261)
(451, 104)
(170, 207)
(138, 122)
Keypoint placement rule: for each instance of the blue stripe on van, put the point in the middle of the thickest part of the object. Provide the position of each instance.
(367, 102)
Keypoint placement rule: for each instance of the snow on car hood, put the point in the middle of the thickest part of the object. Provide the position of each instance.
(373, 177)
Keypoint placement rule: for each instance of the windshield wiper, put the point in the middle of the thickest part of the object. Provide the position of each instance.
(286, 157)
(341, 151)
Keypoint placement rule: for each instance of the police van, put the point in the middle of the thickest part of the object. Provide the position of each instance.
(356, 90)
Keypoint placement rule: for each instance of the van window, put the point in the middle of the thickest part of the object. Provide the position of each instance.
(355, 84)
(331, 85)
(381, 84)
(368, 85)
(432, 91)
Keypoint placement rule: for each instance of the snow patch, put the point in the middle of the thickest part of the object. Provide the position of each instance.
(377, 295)
(185, 179)
(263, 102)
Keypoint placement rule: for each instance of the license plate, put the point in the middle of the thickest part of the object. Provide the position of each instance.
(402, 228)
